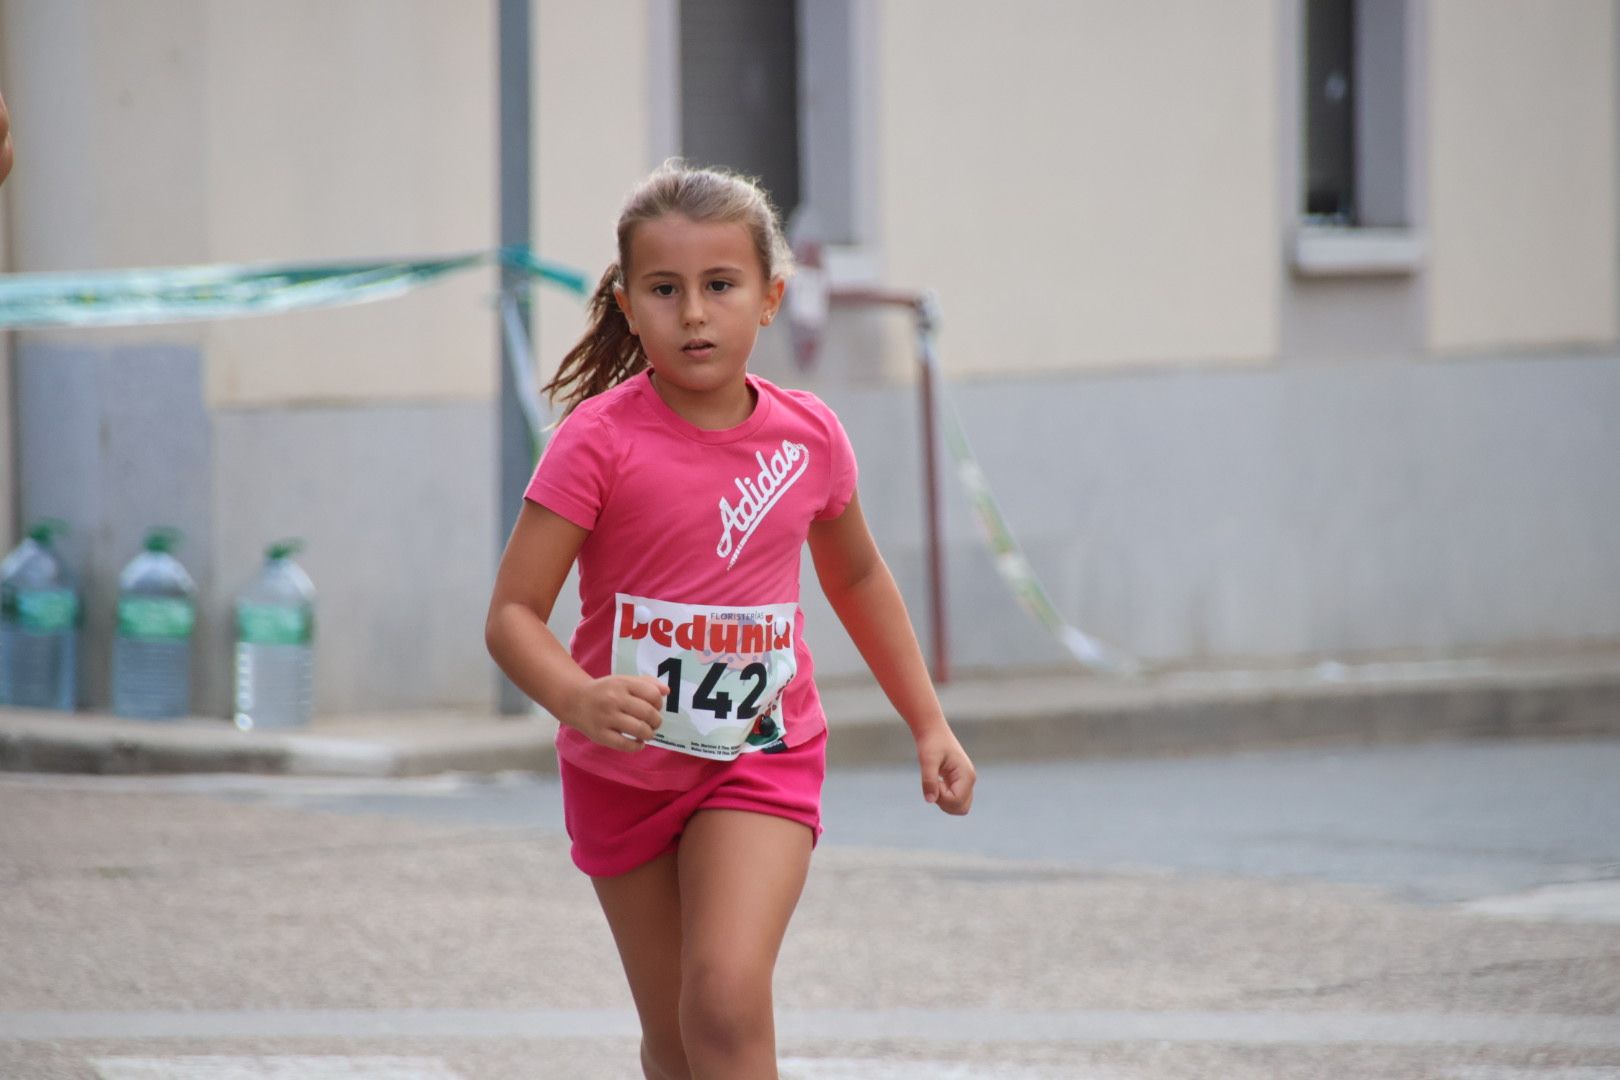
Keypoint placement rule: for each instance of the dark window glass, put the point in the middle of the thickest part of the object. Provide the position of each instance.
(740, 90)
(1330, 96)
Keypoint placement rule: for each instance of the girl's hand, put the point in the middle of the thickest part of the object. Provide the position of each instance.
(619, 711)
(947, 772)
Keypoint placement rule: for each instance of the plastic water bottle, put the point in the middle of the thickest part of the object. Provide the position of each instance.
(39, 624)
(275, 644)
(151, 662)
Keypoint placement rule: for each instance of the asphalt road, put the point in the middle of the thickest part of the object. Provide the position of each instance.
(1437, 912)
(1435, 823)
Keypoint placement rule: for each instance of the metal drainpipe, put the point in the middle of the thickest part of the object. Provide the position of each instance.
(514, 131)
(923, 310)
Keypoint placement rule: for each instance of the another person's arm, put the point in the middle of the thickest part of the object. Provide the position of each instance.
(863, 593)
(5, 141)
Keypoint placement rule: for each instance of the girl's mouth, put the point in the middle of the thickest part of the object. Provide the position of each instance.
(698, 347)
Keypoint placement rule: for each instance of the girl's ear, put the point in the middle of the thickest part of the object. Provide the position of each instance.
(623, 301)
(773, 300)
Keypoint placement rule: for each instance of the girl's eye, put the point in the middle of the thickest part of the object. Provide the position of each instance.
(719, 286)
(663, 290)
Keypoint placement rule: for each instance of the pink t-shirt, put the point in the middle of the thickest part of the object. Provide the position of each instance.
(691, 570)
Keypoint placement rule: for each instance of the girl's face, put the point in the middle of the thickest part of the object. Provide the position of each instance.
(696, 295)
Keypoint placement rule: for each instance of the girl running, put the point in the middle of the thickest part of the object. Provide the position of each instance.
(692, 744)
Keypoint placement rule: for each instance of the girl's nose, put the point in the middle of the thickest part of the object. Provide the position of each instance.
(692, 309)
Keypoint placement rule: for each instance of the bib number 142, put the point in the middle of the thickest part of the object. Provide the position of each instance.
(707, 696)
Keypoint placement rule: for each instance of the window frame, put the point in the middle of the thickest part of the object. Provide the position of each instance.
(1383, 237)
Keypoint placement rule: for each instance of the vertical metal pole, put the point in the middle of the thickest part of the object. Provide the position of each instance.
(931, 499)
(513, 27)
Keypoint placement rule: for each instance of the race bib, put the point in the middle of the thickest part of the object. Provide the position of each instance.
(726, 668)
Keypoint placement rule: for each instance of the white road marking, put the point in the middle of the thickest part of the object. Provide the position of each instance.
(845, 1025)
(1497, 1072)
(867, 1069)
(1585, 901)
(451, 783)
(216, 1067)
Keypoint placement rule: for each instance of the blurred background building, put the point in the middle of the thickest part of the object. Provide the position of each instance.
(1284, 328)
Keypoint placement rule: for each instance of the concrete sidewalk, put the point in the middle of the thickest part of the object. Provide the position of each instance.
(1021, 716)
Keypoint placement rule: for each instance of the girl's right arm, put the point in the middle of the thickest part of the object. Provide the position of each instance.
(618, 711)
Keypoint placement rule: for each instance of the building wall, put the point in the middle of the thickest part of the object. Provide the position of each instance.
(1207, 456)
(1224, 515)
(366, 430)
(1084, 183)
(186, 132)
(1340, 317)
(353, 130)
(593, 141)
(1523, 174)
(1342, 497)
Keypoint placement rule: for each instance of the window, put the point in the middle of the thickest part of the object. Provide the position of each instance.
(1329, 112)
(739, 75)
(1356, 192)
(771, 88)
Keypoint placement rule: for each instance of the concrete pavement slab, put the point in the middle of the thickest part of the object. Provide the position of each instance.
(936, 1025)
(182, 932)
(895, 1059)
(277, 1067)
(175, 903)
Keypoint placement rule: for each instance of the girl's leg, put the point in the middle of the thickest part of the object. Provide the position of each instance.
(643, 909)
(740, 874)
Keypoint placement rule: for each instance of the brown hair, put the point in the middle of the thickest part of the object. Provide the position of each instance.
(609, 353)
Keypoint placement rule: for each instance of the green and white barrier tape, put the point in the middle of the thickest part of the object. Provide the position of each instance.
(188, 293)
(1005, 551)
(520, 358)
(566, 278)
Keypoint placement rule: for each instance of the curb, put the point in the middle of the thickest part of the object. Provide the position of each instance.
(391, 746)
(1021, 717)
(1170, 721)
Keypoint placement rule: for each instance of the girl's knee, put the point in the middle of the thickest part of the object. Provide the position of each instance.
(663, 1057)
(725, 1011)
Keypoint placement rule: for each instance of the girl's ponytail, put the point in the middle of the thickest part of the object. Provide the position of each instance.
(605, 356)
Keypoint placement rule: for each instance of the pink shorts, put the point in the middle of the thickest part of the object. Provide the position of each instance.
(616, 828)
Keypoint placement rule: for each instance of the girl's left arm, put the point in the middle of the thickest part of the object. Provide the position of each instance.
(863, 593)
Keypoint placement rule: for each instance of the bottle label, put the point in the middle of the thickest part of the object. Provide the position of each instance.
(267, 624)
(47, 611)
(156, 618)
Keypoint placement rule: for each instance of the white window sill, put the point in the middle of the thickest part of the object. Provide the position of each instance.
(1340, 251)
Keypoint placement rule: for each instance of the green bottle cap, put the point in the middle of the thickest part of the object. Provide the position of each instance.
(283, 548)
(44, 530)
(162, 538)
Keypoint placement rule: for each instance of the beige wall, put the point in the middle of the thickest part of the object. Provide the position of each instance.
(186, 132)
(120, 180)
(1084, 183)
(353, 130)
(1522, 173)
(118, 87)
(592, 116)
